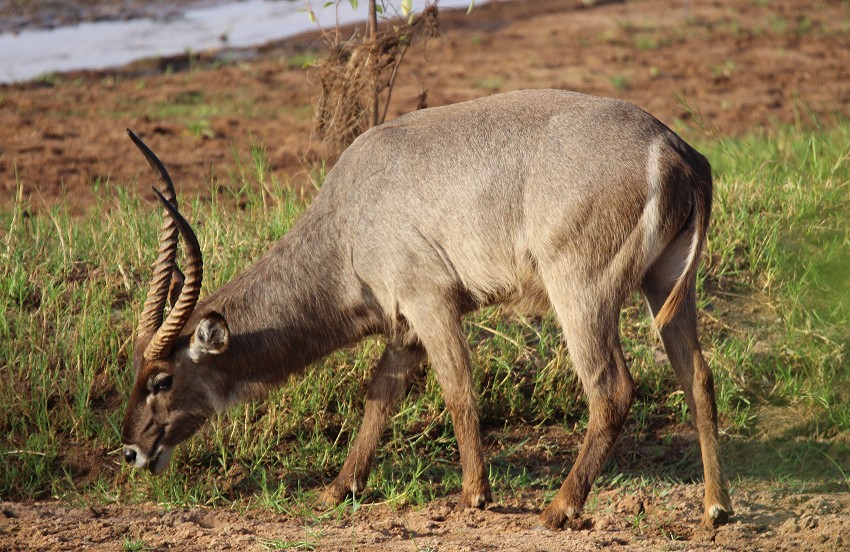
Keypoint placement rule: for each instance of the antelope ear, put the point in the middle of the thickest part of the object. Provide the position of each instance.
(176, 287)
(211, 337)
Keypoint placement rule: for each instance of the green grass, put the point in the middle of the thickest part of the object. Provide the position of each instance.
(774, 297)
(131, 544)
(620, 82)
(491, 84)
(782, 231)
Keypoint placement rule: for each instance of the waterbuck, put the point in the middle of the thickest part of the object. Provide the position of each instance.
(538, 199)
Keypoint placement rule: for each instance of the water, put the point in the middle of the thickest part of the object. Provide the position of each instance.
(105, 44)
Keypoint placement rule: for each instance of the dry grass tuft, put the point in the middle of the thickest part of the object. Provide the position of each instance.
(356, 73)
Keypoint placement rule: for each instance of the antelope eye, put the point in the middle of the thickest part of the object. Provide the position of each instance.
(162, 382)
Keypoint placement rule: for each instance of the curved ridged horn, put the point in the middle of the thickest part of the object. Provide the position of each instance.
(161, 343)
(151, 318)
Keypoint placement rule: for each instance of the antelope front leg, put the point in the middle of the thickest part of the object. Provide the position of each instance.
(389, 382)
(475, 491)
(448, 352)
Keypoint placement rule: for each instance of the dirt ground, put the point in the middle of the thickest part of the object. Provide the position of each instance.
(764, 520)
(734, 66)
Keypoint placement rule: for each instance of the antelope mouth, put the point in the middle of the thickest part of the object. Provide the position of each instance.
(159, 460)
(155, 462)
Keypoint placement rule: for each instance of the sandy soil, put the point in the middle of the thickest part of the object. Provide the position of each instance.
(741, 64)
(764, 520)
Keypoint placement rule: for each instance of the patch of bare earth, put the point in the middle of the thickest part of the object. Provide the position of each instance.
(765, 520)
(741, 64)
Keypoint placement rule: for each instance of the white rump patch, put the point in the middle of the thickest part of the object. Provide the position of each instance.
(652, 216)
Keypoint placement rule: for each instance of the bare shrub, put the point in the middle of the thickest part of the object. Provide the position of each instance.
(357, 73)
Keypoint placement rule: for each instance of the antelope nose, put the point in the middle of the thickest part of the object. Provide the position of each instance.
(129, 455)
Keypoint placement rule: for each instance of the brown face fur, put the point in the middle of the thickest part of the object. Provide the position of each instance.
(169, 402)
(173, 394)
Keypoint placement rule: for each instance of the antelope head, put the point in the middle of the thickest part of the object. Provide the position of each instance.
(172, 395)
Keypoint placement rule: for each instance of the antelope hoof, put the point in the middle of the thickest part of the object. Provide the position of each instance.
(717, 515)
(474, 499)
(331, 497)
(555, 517)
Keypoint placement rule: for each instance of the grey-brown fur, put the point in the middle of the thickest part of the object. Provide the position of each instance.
(534, 199)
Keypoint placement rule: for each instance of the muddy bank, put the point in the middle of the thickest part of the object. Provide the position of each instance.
(17, 15)
(224, 32)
